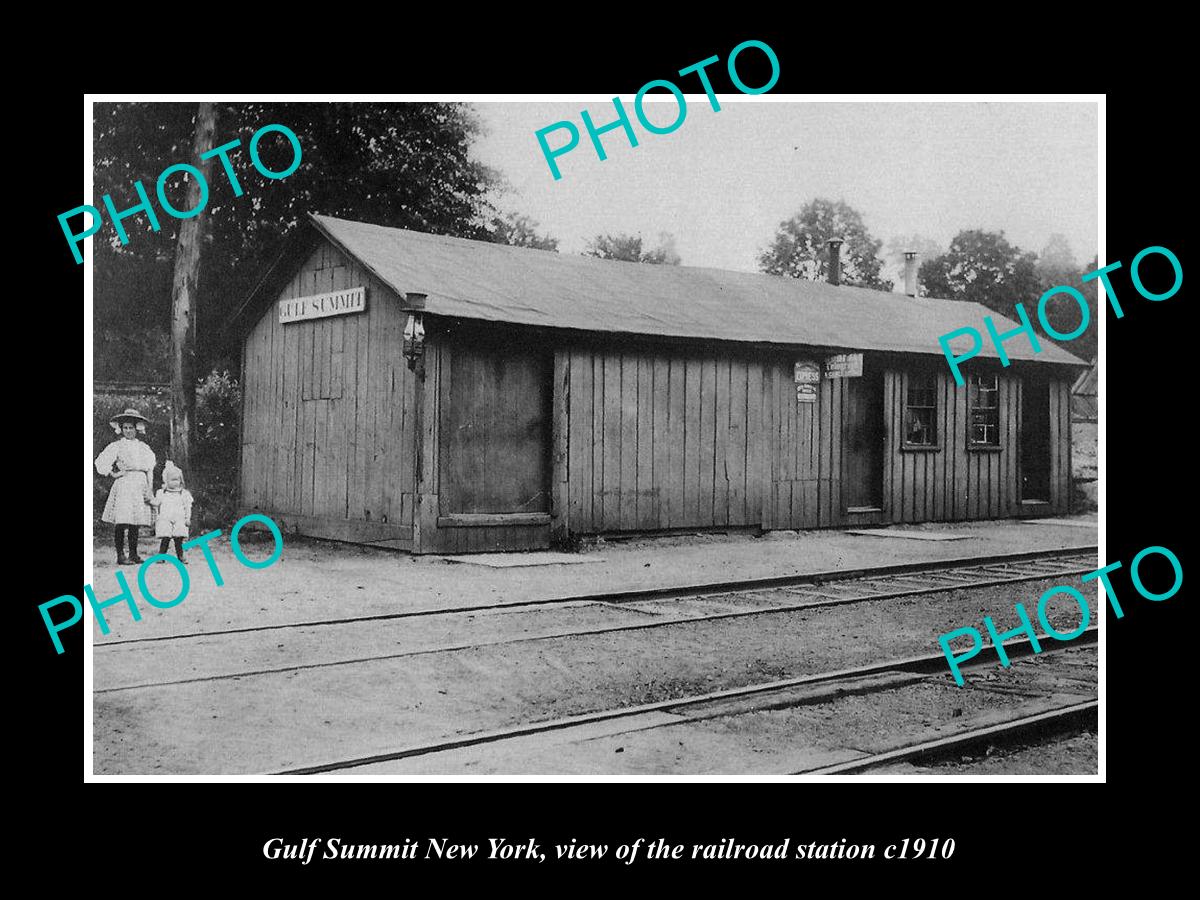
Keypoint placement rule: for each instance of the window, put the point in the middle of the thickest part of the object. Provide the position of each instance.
(983, 402)
(920, 411)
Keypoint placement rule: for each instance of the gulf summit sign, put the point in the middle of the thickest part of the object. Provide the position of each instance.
(318, 306)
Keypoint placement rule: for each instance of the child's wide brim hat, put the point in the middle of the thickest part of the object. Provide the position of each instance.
(130, 415)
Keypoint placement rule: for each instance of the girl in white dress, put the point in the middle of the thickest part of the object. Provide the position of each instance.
(129, 462)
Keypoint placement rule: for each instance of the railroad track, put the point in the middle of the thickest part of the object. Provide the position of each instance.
(937, 573)
(661, 607)
(820, 687)
(1038, 724)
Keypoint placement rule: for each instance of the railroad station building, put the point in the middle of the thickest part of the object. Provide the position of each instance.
(435, 394)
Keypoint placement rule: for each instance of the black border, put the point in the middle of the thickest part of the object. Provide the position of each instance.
(1012, 832)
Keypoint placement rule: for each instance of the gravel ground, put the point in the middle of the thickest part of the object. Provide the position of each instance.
(1075, 754)
(796, 730)
(320, 580)
(263, 722)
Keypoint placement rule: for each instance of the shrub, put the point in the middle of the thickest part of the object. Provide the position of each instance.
(218, 408)
(216, 455)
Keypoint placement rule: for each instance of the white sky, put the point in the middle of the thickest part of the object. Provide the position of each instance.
(723, 181)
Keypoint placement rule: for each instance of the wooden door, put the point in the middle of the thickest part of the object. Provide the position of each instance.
(1035, 439)
(494, 437)
(863, 441)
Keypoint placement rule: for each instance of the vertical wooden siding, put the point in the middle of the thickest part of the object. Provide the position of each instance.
(658, 440)
(791, 436)
(955, 482)
(1060, 446)
(327, 419)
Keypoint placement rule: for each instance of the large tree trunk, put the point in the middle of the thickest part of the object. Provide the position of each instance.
(183, 299)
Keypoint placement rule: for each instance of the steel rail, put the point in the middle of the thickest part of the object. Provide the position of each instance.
(919, 664)
(673, 592)
(1013, 728)
(606, 629)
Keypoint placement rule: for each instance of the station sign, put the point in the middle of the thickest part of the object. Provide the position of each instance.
(318, 306)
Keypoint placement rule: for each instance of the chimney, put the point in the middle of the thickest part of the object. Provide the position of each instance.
(910, 272)
(835, 260)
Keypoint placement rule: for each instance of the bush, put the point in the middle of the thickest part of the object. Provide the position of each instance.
(217, 453)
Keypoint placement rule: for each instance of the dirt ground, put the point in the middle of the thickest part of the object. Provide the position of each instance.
(1071, 755)
(796, 730)
(274, 720)
(320, 580)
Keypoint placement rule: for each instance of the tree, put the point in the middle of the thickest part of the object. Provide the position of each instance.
(184, 281)
(629, 249)
(800, 248)
(520, 231)
(926, 248)
(1056, 262)
(1056, 266)
(404, 165)
(983, 267)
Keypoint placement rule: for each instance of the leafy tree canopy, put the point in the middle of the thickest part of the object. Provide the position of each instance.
(403, 165)
(1056, 266)
(983, 267)
(520, 231)
(800, 248)
(629, 249)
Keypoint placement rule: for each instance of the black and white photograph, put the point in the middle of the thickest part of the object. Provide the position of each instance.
(482, 438)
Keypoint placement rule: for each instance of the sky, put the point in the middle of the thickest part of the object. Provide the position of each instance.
(723, 181)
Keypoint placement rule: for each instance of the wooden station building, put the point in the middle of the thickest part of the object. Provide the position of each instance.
(436, 394)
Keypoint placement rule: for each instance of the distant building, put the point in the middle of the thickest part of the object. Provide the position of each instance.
(1084, 436)
(445, 395)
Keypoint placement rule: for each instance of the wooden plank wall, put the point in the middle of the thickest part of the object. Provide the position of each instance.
(955, 482)
(1060, 446)
(792, 437)
(650, 436)
(328, 433)
(662, 440)
(831, 396)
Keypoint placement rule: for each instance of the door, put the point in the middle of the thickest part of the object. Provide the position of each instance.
(1035, 439)
(863, 439)
(494, 428)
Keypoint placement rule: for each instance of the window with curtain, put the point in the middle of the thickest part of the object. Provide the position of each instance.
(920, 411)
(983, 405)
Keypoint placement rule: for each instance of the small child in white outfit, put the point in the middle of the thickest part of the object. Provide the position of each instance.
(174, 504)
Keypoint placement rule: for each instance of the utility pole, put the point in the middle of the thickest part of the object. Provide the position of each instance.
(184, 284)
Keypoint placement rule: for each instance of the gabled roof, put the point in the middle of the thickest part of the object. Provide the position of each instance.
(495, 282)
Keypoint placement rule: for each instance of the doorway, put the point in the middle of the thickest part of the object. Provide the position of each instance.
(1035, 440)
(863, 436)
(494, 453)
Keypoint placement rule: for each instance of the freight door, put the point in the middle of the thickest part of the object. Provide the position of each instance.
(494, 429)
